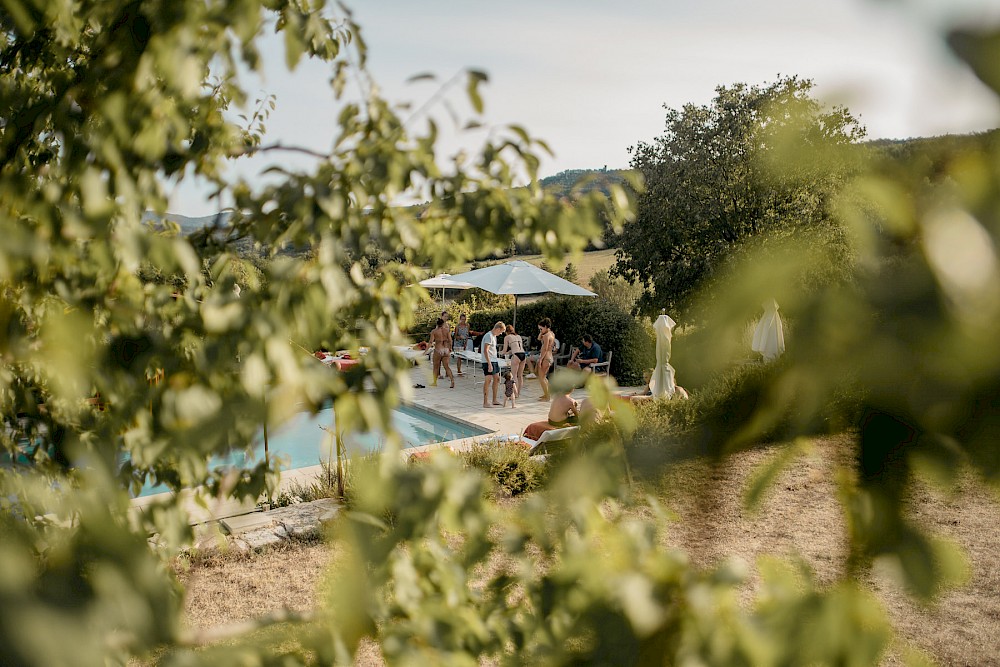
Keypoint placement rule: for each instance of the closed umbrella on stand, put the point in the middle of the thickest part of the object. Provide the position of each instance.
(662, 382)
(769, 335)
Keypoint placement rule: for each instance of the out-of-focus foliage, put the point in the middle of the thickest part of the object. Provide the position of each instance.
(126, 355)
(566, 579)
(711, 186)
(909, 342)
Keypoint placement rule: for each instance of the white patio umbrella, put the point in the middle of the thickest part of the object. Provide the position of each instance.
(769, 335)
(662, 382)
(519, 278)
(443, 281)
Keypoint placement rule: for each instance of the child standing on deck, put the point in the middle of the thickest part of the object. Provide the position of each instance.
(509, 388)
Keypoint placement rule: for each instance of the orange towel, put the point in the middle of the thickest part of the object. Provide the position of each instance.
(344, 364)
(534, 430)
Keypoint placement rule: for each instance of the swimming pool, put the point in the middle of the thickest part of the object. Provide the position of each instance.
(302, 442)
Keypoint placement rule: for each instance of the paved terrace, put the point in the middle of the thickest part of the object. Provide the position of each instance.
(464, 402)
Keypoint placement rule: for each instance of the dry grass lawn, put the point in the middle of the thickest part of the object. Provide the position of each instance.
(801, 517)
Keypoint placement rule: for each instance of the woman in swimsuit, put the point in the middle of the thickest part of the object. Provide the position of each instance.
(545, 357)
(461, 339)
(513, 349)
(441, 340)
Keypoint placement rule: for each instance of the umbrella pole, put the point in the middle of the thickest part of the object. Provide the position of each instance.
(514, 323)
(266, 449)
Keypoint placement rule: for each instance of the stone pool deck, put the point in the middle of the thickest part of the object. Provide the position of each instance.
(242, 525)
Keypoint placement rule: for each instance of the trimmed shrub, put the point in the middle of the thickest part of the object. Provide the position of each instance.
(507, 464)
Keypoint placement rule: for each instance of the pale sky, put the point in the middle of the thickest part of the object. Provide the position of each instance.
(591, 78)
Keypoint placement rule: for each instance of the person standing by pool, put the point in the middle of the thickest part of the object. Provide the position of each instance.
(441, 340)
(461, 339)
(491, 364)
(513, 348)
(545, 356)
(446, 316)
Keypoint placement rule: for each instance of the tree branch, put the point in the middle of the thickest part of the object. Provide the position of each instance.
(282, 147)
(223, 632)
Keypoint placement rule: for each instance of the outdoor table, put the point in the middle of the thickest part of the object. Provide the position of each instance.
(476, 359)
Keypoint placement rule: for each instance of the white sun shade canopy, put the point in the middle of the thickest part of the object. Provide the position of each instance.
(444, 281)
(519, 277)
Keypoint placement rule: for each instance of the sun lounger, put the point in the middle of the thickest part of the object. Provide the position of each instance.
(544, 445)
(410, 354)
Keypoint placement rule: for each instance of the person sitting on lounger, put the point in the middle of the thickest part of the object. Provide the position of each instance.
(564, 411)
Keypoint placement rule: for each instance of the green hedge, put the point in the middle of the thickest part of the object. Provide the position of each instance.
(716, 417)
(632, 341)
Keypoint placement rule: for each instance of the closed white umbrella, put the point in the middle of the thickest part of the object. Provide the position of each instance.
(443, 281)
(519, 278)
(769, 334)
(662, 382)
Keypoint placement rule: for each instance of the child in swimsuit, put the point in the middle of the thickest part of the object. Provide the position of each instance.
(509, 393)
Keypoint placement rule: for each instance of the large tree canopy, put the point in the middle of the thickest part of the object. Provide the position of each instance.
(715, 179)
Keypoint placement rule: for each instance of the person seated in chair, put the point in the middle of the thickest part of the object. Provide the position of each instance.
(564, 410)
(590, 354)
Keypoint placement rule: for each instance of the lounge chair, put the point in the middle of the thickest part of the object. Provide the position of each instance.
(562, 355)
(544, 444)
(603, 367)
(412, 355)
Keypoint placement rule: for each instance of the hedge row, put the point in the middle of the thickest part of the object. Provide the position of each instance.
(631, 340)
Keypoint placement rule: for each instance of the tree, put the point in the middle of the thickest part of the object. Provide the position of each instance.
(715, 179)
(122, 361)
(615, 290)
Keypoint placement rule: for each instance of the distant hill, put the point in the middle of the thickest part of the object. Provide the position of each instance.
(929, 150)
(563, 183)
(187, 224)
(932, 153)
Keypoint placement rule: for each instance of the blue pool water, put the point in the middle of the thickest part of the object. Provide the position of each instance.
(301, 442)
